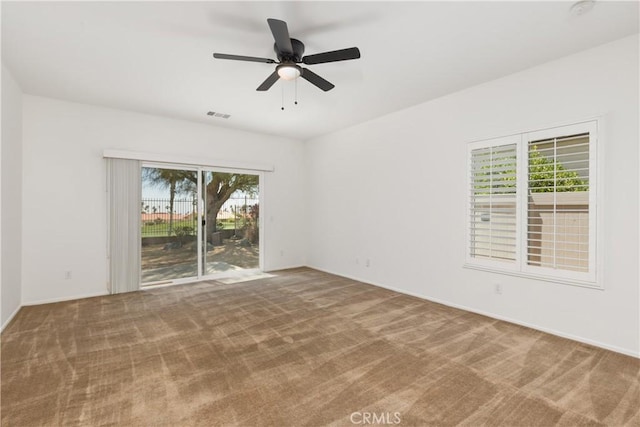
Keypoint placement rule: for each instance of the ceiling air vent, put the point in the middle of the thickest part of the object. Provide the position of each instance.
(219, 115)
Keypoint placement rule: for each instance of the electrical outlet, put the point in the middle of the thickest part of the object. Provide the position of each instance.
(67, 275)
(498, 289)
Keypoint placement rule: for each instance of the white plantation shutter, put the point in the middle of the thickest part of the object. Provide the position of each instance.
(532, 204)
(493, 203)
(559, 213)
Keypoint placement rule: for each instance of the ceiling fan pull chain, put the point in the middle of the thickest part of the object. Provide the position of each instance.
(282, 92)
(295, 101)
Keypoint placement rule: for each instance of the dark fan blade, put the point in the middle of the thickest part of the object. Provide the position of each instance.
(243, 58)
(281, 35)
(269, 82)
(316, 80)
(333, 56)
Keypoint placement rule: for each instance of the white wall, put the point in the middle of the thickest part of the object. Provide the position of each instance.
(11, 211)
(393, 190)
(64, 205)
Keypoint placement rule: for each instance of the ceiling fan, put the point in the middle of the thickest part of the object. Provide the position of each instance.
(289, 52)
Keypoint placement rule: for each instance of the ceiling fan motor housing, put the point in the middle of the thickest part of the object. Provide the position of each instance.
(296, 56)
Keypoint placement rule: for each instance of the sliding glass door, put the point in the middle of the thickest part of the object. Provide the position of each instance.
(169, 222)
(198, 223)
(230, 230)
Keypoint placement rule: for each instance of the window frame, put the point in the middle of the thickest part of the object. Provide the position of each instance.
(520, 267)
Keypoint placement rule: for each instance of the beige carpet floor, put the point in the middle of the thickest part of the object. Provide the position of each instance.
(302, 348)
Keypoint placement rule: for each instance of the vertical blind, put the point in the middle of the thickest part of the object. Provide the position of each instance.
(493, 221)
(124, 198)
(558, 203)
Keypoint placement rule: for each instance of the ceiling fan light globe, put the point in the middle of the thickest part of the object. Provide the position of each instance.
(288, 72)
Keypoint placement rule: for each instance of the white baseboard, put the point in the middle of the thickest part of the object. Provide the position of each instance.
(278, 268)
(69, 298)
(605, 346)
(10, 318)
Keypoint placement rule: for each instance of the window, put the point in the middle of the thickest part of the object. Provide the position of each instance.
(494, 202)
(532, 204)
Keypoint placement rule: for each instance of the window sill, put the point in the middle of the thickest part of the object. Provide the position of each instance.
(560, 280)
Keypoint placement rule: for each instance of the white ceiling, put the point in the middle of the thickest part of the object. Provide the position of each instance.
(156, 57)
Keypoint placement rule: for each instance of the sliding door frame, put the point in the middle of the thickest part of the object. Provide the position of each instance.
(190, 279)
(201, 211)
(199, 169)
